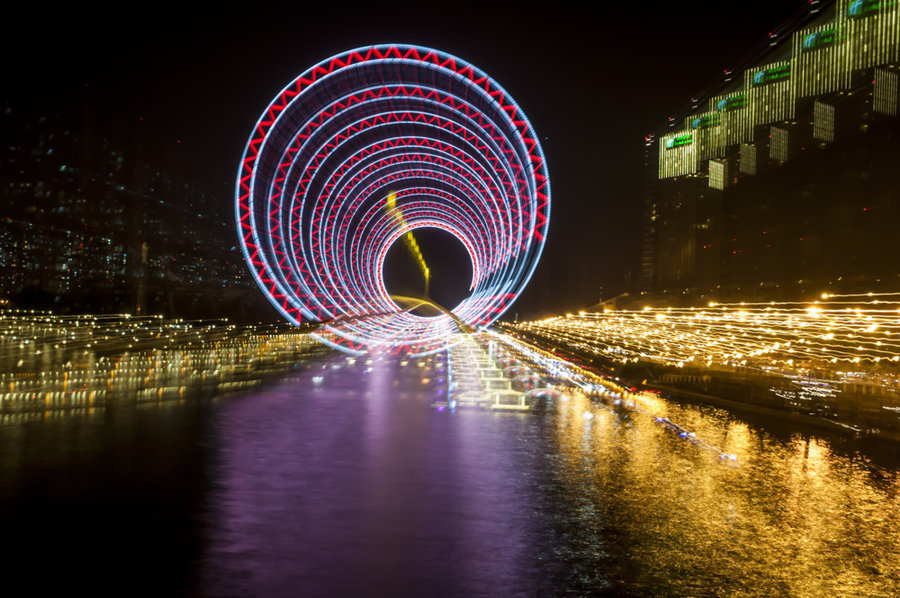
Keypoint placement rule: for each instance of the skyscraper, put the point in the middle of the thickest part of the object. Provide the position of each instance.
(783, 180)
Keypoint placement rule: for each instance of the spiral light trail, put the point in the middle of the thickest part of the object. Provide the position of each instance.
(365, 147)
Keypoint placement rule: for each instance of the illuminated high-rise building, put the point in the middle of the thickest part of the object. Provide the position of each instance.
(748, 159)
(783, 177)
(782, 143)
(886, 95)
(718, 174)
(823, 121)
(820, 59)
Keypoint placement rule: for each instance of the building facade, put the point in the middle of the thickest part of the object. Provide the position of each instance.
(85, 227)
(784, 180)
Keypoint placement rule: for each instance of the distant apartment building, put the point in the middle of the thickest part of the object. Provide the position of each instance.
(89, 226)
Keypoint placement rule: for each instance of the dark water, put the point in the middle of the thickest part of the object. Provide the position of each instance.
(345, 481)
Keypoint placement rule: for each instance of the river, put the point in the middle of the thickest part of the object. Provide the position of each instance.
(344, 479)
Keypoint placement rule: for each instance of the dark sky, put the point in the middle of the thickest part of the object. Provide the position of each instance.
(190, 85)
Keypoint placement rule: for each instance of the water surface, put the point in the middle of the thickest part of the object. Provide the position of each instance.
(345, 481)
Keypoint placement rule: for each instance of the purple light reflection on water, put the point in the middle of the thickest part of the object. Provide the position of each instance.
(359, 487)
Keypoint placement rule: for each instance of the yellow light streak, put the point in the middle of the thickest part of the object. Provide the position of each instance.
(848, 329)
(409, 240)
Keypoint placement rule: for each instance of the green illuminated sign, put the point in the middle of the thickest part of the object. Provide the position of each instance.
(823, 39)
(778, 73)
(732, 103)
(679, 141)
(703, 122)
(864, 8)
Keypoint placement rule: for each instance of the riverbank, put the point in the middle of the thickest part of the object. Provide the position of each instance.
(854, 410)
(50, 363)
(762, 411)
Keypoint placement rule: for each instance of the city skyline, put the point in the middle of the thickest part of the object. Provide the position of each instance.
(175, 92)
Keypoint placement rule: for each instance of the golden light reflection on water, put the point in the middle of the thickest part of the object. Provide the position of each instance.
(792, 517)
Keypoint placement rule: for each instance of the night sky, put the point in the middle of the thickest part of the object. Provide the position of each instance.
(186, 86)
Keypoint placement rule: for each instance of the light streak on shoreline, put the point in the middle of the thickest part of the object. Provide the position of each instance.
(591, 383)
(789, 334)
(50, 363)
